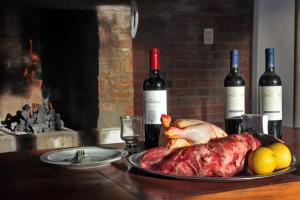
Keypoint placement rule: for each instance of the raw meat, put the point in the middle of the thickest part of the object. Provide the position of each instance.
(222, 157)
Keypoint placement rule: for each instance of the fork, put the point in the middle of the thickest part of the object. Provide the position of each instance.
(78, 157)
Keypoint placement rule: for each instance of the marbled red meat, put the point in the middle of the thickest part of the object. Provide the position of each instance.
(223, 157)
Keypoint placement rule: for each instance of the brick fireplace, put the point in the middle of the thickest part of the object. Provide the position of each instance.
(93, 70)
(71, 44)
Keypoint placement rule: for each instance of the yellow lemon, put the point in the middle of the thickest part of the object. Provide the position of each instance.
(262, 161)
(283, 155)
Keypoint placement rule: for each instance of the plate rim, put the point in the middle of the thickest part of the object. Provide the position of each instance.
(44, 157)
(206, 178)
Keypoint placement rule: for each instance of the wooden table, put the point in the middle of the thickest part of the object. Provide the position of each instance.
(23, 176)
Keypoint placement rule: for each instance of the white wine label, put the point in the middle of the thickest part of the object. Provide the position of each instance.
(155, 102)
(270, 102)
(234, 101)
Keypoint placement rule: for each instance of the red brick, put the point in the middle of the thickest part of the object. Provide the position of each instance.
(177, 75)
(182, 64)
(217, 91)
(182, 83)
(129, 110)
(213, 118)
(138, 111)
(203, 64)
(107, 107)
(125, 83)
(185, 36)
(127, 43)
(203, 92)
(207, 83)
(185, 111)
(202, 74)
(182, 92)
(220, 100)
(120, 94)
(193, 101)
(140, 75)
(216, 109)
(173, 102)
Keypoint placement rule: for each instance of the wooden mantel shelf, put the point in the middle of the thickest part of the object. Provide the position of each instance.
(24, 176)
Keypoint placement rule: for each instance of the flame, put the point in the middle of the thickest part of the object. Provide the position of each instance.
(31, 74)
(33, 56)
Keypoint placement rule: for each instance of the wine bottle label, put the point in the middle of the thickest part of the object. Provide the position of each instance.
(234, 101)
(270, 102)
(155, 102)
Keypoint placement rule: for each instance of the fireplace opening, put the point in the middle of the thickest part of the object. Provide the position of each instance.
(66, 43)
(69, 55)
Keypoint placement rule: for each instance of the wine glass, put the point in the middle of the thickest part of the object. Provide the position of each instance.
(132, 131)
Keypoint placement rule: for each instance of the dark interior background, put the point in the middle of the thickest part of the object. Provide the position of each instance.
(69, 53)
(67, 43)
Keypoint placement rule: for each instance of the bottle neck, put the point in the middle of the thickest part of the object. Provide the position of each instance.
(270, 66)
(154, 71)
(270, 69)
(234, 61)
(154, 60)
(234, 69)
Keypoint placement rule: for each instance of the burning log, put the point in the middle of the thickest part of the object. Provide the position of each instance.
(28, 120)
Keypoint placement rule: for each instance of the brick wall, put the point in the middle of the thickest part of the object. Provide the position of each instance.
(195, 72)
(115, 64)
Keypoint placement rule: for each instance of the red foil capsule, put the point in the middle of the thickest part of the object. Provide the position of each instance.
(154, 60)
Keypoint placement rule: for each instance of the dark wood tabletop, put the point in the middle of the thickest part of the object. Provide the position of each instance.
(24, 176)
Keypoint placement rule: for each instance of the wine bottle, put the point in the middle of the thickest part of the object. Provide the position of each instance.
(155, 100)
(234, 96)
(270, 95)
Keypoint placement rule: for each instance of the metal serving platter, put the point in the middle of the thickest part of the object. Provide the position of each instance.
(136, 158)
(94, 156)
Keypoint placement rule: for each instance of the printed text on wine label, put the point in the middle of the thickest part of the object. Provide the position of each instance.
(234, 101)
(270, 101)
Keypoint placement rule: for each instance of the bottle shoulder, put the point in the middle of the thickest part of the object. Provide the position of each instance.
(234, 79)
(155, 82)
(269, 79)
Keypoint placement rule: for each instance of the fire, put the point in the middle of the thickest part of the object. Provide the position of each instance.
(31, 73)
(50, 106)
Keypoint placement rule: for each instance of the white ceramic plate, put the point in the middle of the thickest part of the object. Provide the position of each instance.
(136, 158)
(94, 156)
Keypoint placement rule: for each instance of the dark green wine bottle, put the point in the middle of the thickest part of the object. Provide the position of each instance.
(270, 95)
(234, 96)
(155, 101)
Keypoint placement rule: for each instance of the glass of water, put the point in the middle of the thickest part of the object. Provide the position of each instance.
(132, 130)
